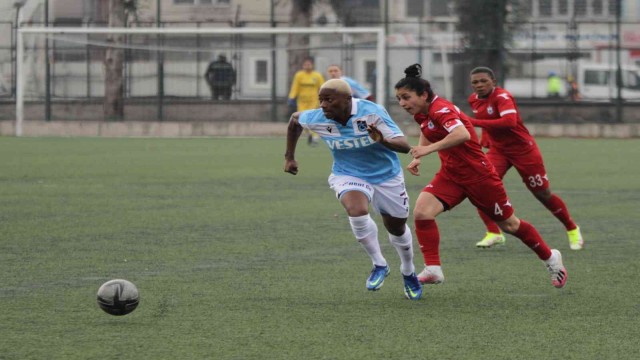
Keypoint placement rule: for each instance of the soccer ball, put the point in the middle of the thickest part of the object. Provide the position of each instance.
(118, 297)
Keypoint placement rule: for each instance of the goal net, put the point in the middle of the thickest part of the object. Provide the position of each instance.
(159, 73)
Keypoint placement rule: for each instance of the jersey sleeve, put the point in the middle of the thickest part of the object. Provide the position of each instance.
(449, 119)
(505, 104)
(382, 120)
(305, 118)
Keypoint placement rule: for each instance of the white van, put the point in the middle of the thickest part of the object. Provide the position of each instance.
(598, 81)
(595, 82)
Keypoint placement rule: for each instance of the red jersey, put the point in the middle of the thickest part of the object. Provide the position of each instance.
(464, 163)
(502, 123)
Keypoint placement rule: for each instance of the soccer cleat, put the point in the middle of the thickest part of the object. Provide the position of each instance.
(556, 269)
(412, 287)
(490, 239)
(576, 242)
(376, 279)
(431, 275)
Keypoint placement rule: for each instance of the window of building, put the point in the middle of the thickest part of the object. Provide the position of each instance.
(200, 2)
(596, 7)
(612, 7)
(439, 8)
(259, 76)
(370, 73)
(262, 74)
(563, 7)
(414, 8)
(580, 7)
(544, 7)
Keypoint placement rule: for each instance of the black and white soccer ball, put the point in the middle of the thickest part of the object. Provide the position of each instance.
(118, 297)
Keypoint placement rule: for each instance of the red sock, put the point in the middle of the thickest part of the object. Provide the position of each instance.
(429, 240)
(559, 210)
(530, 237)
(491, 226)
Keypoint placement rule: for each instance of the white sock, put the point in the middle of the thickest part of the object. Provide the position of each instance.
(366, 232)
(404, 247)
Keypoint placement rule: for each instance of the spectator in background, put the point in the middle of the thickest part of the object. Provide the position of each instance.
(554, 85)
(221, 77)
(304, 92)
(574, 92)
(357, 90)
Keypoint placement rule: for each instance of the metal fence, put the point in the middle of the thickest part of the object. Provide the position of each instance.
(583, 54)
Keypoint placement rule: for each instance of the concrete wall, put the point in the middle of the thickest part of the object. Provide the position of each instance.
(172, 129)
(532, 112)
(253, 118)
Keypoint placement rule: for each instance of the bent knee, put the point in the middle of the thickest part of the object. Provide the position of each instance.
(511, 225)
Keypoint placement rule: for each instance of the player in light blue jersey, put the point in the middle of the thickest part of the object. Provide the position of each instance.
(366, 170)
(357, 90)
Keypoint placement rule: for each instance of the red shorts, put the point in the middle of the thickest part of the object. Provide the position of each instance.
(487, 195)
(530, 167)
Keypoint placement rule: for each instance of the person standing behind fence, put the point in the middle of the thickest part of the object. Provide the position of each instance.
(511, 145)
(554, 85)
(574, 92)
(304, 92)
(221, 77)
(357, 90)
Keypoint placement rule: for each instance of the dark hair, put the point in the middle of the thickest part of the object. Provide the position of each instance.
(413, 81)
(483, 70)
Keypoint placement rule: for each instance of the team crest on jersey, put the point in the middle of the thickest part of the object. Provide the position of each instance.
(430, 125)
(489, 110)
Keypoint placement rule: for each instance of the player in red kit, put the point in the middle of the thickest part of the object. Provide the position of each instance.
(465, 172)
(511, 145)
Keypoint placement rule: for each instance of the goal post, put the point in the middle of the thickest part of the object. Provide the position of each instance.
(29, 53)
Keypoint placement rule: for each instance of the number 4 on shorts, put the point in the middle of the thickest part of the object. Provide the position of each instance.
(497, 210)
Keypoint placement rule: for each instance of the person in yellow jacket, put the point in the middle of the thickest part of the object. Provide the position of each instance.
(304, 91)
(554, 85)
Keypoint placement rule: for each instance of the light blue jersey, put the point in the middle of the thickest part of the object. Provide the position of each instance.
(354, 152)
(358, 91)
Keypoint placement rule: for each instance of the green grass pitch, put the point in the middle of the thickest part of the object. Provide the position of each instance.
(235, 259)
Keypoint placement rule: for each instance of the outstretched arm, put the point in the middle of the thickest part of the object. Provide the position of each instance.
(507, 121)
(293, 134)
(457, 136)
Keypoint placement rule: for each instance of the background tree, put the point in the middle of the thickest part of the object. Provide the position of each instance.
(300, 16)
(114, 60)
(486, 27)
